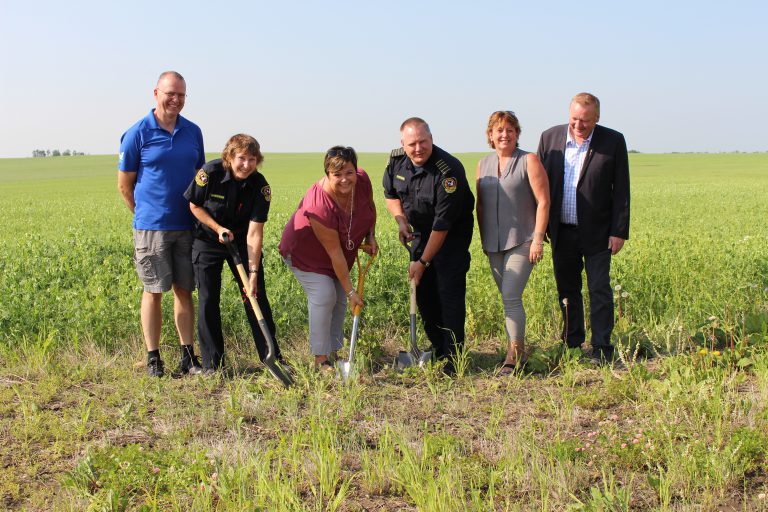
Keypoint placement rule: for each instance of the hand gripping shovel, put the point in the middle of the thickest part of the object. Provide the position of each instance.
(272, 364)
(345, 367)
(414, 357)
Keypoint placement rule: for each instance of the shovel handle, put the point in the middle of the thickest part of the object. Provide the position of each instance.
(413, 245)
(233, 252)
(362, 270)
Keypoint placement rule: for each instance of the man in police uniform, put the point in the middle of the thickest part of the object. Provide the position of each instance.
(426, 190)
(230, 196)
(159, 156)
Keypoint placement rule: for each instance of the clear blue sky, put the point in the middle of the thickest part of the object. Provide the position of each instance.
(302, 76)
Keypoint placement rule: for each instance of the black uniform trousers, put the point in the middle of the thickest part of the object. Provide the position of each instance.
(569, 260)
(441, 298)
(208, 258)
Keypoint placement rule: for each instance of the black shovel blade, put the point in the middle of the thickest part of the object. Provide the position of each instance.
(270, 361)
(278, 372)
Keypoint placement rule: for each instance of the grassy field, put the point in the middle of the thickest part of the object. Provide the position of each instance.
(684, 428)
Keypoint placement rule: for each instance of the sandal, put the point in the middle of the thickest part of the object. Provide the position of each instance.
(326, 367)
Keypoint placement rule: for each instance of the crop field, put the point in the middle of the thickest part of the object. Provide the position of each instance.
(683, 427)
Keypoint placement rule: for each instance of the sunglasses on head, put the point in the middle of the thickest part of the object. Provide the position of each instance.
(347, 153)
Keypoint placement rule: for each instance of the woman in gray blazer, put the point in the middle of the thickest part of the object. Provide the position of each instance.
(512, 212)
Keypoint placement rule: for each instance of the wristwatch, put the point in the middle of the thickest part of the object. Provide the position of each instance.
(425, 263)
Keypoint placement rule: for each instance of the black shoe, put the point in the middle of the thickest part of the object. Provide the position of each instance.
(155, 367)
(600, 358)
(188, 366)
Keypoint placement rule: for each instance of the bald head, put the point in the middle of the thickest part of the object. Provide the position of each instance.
(414, 122)
(169, 74)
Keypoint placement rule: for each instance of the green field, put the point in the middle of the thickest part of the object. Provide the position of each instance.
(82, 428)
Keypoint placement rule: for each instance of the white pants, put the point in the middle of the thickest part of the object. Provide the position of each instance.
(327, 304)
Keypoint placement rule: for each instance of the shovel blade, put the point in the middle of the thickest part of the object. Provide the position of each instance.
(406, 359)
(345, 370)
(279, 372)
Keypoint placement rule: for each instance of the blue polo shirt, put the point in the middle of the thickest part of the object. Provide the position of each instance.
(166, 164)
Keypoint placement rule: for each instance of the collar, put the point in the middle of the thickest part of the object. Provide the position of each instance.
(249, 181)
(152, 121)
(429, 165)
(570, 140)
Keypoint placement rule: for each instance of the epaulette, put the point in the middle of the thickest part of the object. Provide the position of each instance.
(397, 152)
(442, 166)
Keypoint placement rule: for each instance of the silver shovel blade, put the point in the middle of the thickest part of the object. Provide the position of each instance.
(406, 359)
(345, 370)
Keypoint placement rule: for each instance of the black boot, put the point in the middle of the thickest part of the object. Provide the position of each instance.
(155, 364)
(189, 364)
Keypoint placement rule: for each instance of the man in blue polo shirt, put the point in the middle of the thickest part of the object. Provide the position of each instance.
(159, 156)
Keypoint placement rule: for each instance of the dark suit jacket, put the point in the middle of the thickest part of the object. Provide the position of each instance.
(602, 193)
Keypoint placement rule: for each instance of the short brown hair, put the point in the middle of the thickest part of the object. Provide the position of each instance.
(586, 99)
(337, 157)
(415, 121)
(501, 117)
(241, 143)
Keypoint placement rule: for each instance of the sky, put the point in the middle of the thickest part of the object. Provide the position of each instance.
(302, 76)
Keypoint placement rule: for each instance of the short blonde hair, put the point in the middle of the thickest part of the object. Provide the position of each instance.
(501, 117)
(586, 99)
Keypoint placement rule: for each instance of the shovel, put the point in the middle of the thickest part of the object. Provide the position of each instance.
(272, 364)
(414, 357)
(345, 367)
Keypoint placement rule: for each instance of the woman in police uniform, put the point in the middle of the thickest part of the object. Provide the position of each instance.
(229, 196)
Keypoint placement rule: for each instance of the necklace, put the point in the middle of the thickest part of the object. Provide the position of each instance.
(350, 243)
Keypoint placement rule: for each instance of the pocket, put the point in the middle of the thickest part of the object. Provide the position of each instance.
(145, 265)
(401, 187)
(196, 267)
(425, 195)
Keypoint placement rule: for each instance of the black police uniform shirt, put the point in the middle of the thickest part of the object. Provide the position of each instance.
(435, 196)
(230, 202)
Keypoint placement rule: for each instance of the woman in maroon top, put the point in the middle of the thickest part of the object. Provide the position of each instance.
(319, 244)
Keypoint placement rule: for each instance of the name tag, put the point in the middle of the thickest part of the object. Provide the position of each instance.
(401, 178)
(217, 196)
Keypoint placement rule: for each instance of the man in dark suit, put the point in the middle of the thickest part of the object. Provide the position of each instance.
(588, 172)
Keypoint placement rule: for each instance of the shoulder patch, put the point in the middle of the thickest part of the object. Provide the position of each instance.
(201, 178)
(266, 191)
(442, 166)
(397, 152)
(449, 184)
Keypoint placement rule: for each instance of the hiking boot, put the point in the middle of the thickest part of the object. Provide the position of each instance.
(155, 367)
(188, 366)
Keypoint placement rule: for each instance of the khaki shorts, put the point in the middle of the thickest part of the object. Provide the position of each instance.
(163, 258)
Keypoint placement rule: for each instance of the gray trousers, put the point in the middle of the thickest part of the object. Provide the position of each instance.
(327, 304)
(511, 270)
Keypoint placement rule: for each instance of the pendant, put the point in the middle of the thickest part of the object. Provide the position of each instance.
(350, 245)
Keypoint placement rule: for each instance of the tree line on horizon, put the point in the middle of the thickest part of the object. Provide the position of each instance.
(39, 153)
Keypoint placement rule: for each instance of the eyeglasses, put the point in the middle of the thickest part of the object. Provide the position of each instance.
(508, 112)
(179, 95)
(346, 153)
